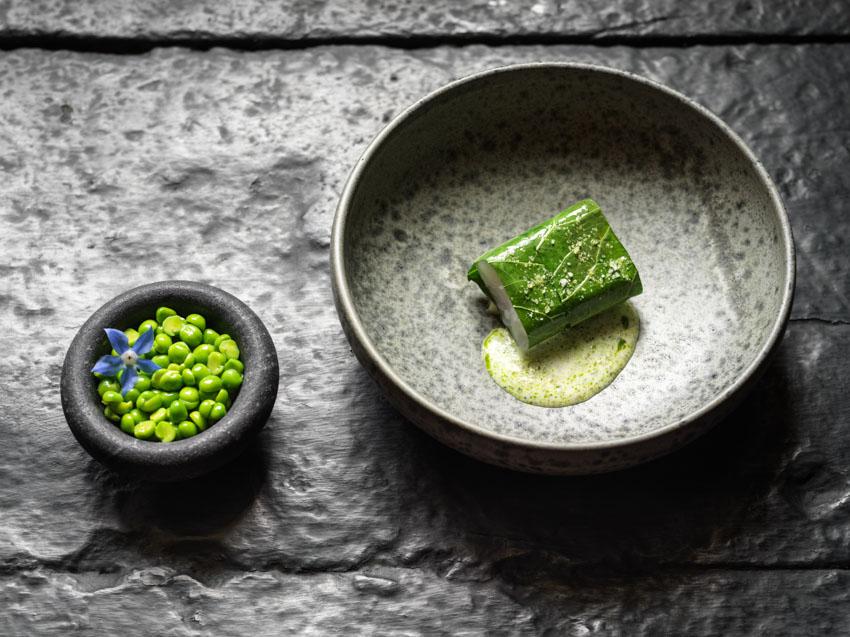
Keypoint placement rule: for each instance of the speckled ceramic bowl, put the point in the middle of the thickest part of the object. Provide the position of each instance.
(181, 459)
(485, 158)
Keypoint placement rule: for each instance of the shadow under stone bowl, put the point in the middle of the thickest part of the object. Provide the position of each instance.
(486, 157)
(181, 459)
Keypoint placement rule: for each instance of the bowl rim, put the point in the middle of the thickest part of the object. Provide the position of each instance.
(346, 303)
(180, 458)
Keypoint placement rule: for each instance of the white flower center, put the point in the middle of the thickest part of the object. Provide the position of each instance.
(129, 358)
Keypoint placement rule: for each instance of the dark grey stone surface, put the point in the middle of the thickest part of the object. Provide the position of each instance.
(309, 19)
(343, 517)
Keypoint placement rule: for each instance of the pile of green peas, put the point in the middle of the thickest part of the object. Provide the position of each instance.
(200, 374)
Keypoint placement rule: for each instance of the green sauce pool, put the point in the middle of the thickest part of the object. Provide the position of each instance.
(569, 368)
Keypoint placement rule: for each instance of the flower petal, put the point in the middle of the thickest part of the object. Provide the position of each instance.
(144, 343)
(118, 339)
(128, 379)
(147, 366)
(107, 365)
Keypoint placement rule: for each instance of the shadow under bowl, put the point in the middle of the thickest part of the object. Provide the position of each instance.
(483, 159)
(181, 459)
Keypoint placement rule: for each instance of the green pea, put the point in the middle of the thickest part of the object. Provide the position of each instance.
(221, 338)
(150, 324)
(168, 397)
(136, 392)
(198, 321)
(178, 352)
(171, 380)
(215, 363)
(159, 414)
(137, 415)
(191, 335)
(143, 384)
(202, 352)
(210, 336)
(131, 335)
(229, 349)
(161, 360)
(205, 407)
(210, 384)
(144, 430)
(108, 384)
(174, 367)
(177, 412)
(144, 396)
(231, 379)
(234, 363)
(187, 429)
(199, 370)
(199, 420)
(111, 397)
(151, 404)
(128, 423)
(111, 414)
(172, 325)
(188, 378)
(123, 408)
(190, 396)
(165, 431)
(223, 397)
(156, 379)
(163, 313)
(218, 412)
(161, 343)
(189, 360)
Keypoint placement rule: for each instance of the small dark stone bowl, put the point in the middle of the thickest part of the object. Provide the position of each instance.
(182, 459)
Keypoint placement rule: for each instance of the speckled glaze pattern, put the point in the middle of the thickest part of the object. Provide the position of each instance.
(190, 457)
(490, 156)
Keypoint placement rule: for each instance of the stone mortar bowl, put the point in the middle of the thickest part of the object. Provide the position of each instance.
(181, 459)
(486, 157)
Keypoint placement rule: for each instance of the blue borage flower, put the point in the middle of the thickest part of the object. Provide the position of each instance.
(128, 359)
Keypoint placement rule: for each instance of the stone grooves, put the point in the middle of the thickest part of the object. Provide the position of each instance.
(200, 41)
(818, 319)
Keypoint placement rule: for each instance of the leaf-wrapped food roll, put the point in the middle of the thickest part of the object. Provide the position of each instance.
(557, 274)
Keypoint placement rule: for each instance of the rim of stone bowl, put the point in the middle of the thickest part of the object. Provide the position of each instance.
(181, 459)
(346, 304)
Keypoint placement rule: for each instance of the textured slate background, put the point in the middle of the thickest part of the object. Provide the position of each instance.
(357, 19)
(343, 517)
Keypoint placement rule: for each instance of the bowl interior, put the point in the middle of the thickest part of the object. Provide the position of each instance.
(489, 158)
(132, 314)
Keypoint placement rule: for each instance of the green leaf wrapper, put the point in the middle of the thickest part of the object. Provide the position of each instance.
(557, 274)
